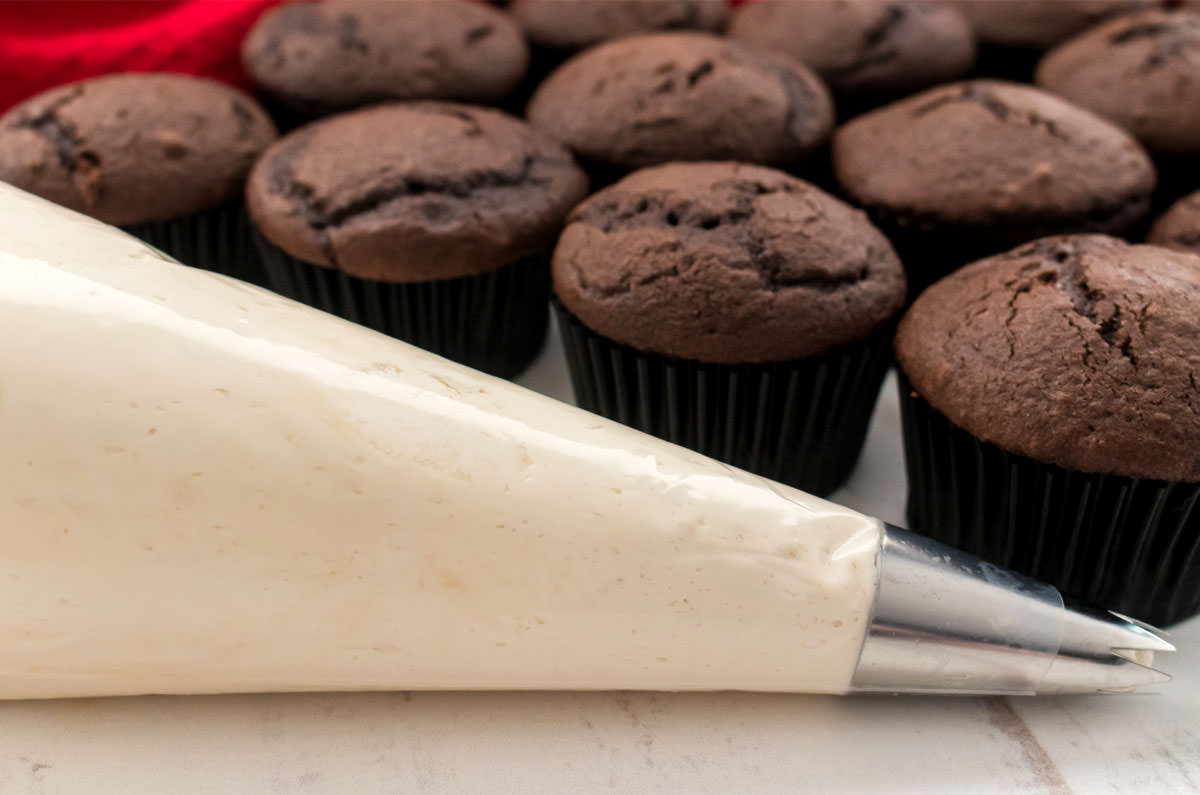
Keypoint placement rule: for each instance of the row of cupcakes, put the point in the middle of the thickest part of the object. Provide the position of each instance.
(950, 174)
(434, 221)
(315, 58)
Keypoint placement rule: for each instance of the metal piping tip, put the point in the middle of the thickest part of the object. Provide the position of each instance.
(1153, 631)
(1106, 652)
(948, 622)
(1115, 675)
(1098, 633)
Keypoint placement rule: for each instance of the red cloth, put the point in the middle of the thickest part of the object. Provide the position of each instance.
(44, 44)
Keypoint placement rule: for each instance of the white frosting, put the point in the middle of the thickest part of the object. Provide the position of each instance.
(207, 488)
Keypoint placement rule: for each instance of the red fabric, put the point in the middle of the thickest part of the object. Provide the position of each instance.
(44, 44)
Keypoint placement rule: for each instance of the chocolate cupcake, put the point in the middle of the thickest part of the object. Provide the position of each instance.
(317, 58)
(1051, 420)
(567, 26)
(1141, 72)
(971, 169)
(1013, 34)
(651, 99)
(867, 51)
(732, 309)
(1040, 24)
(429, 221)
(164, 156)
(557, 29)
(1179, 228)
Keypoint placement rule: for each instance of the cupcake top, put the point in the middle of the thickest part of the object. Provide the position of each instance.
(998, 155)
(1079, 351)
(726, 263)
(863, 46)
(1141, 72)
(1179, 227)
(575, 24)
(1039, 24)
(133, 148)
(650, 99)
(412, 192)
(321, 57)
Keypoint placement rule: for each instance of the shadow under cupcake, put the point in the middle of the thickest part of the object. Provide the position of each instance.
(1051, 414)
(431, 222)
(731, 309)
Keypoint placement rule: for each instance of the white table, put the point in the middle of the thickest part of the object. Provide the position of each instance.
(568, 742)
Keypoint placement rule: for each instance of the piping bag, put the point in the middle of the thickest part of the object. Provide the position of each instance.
(206, 488)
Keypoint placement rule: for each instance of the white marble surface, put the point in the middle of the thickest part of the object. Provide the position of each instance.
(571, 742)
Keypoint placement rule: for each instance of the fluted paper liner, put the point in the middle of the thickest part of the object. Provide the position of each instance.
(495, 322)
(219, 240)
(801, 422)
(1127, 544)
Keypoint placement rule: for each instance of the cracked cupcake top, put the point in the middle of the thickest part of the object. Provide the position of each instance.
(725, 263)
(992, 154)
(1080, 351)
(650, 99)
(575, 24)
(863, 46)
(410, 192)
(1141, 72)
(132, 148)
(321, 57)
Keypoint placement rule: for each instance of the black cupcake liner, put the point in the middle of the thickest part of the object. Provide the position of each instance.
(929, 254)
(542, 62)
(802, 422)
(931, 250)
(1178, 176)
(816, 168)
(287, 118)
(1126, 544)
(495, 322)
(219, 240)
